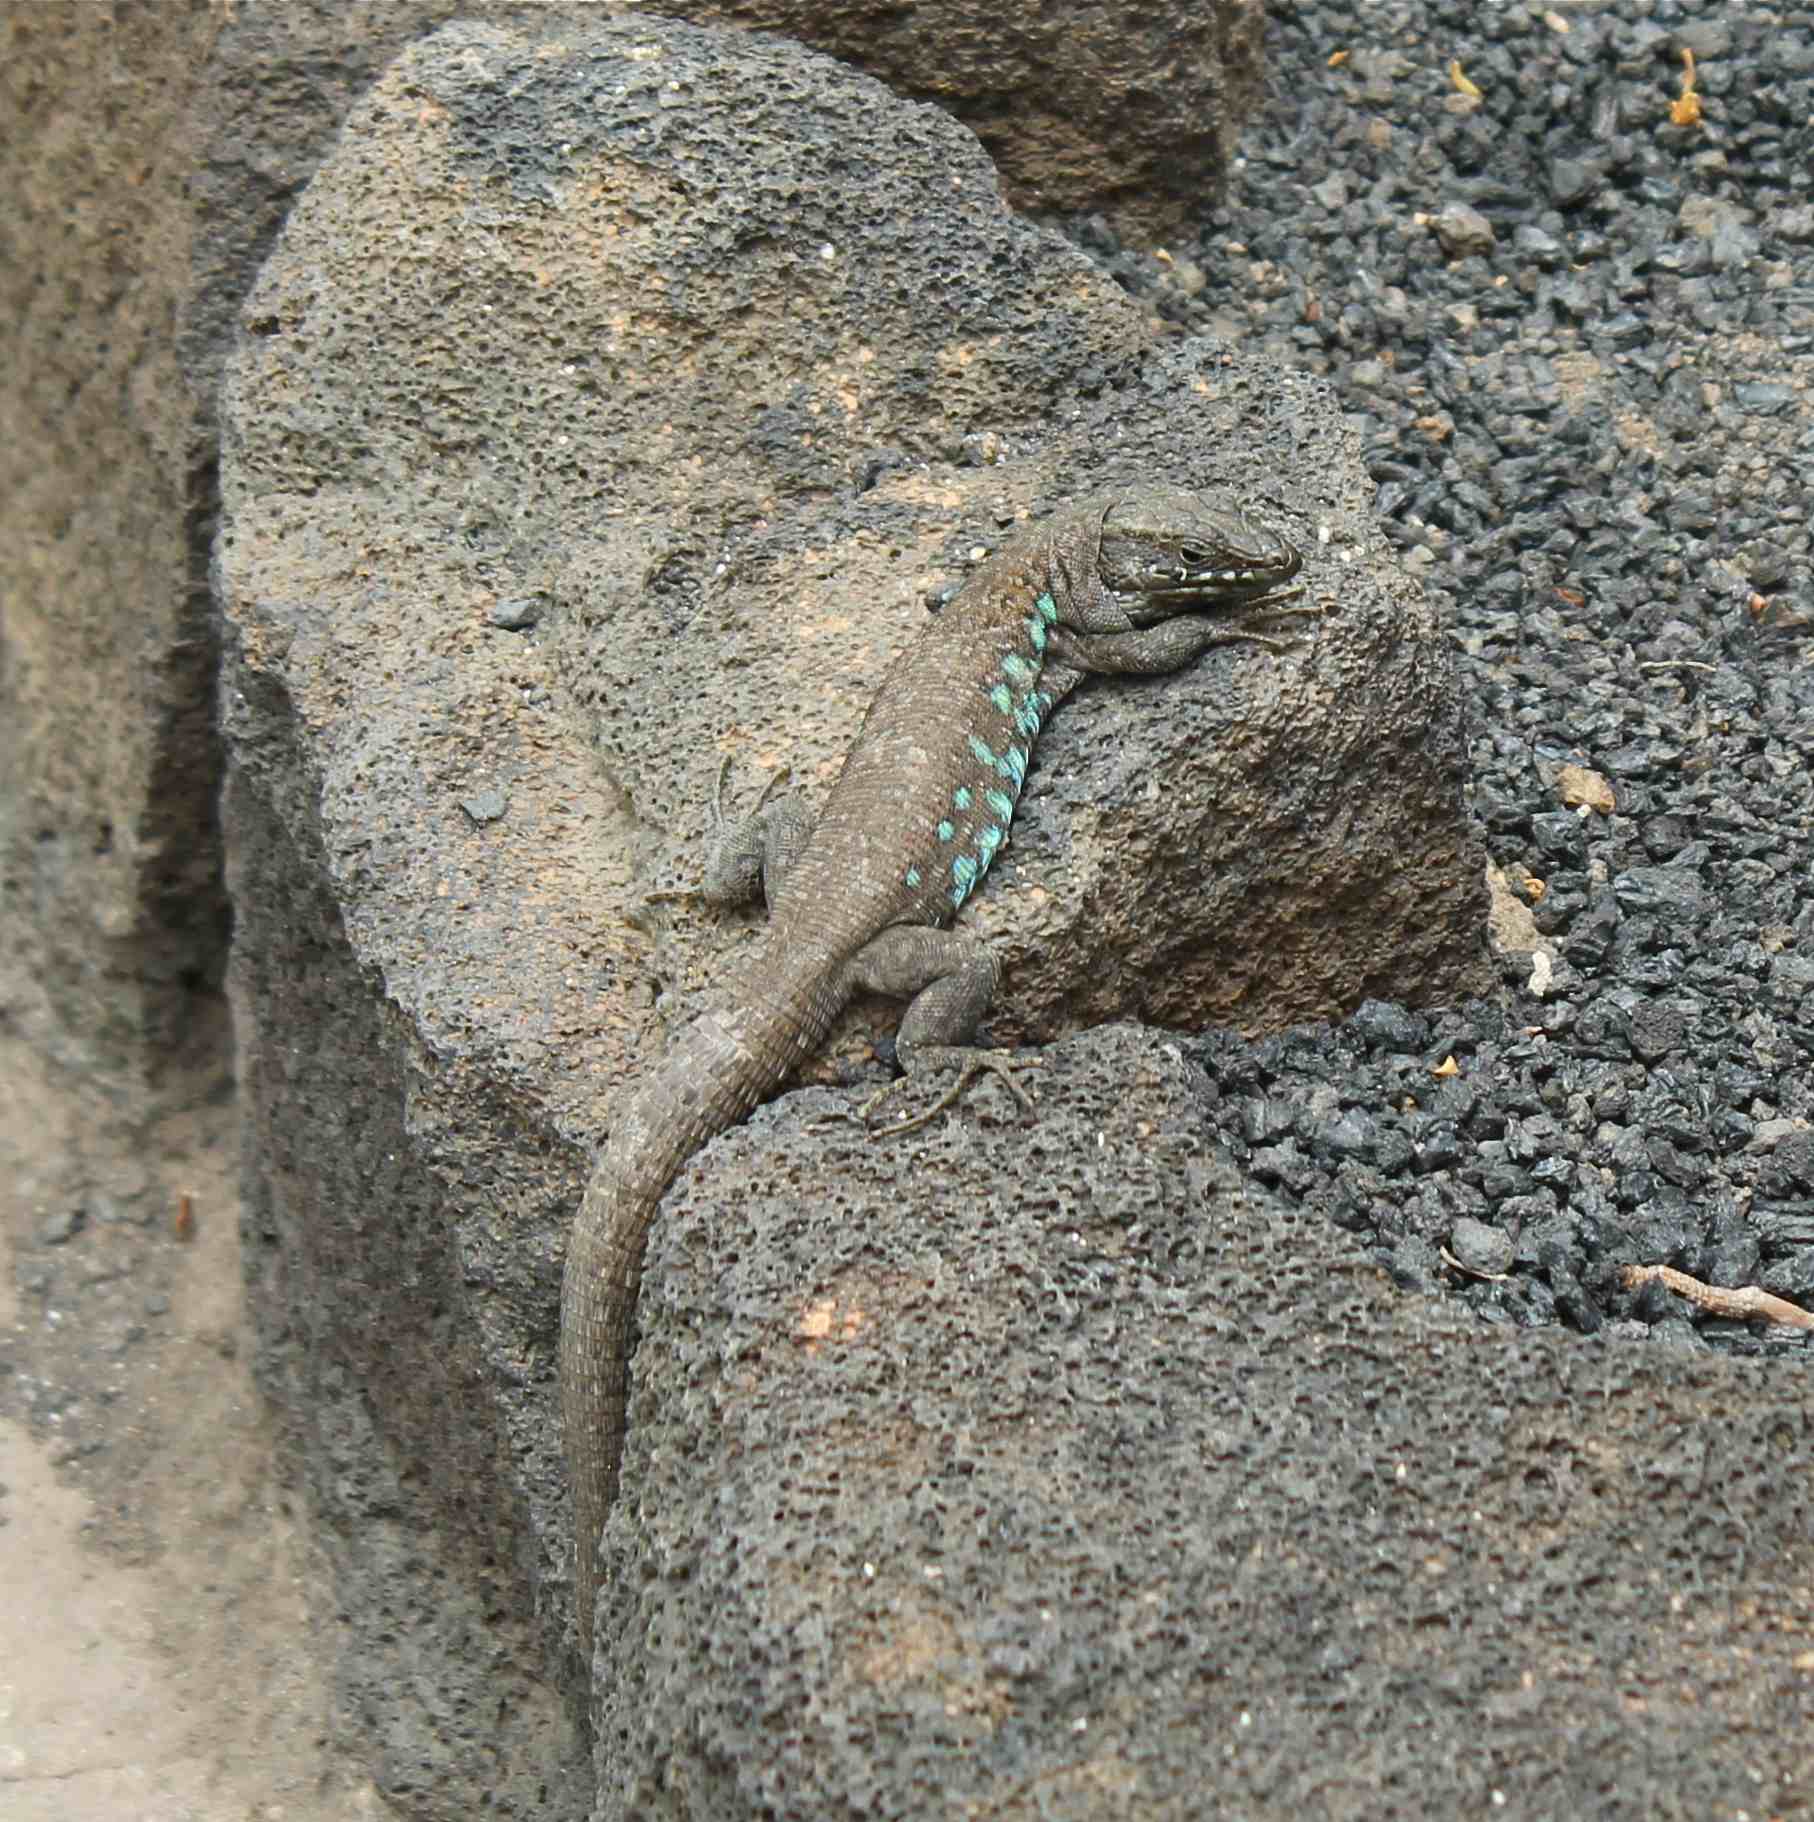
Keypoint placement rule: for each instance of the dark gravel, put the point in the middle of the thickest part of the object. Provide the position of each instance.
(1576, 338)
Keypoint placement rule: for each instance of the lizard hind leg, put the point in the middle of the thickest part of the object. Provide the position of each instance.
(754, 846)
(949, 980)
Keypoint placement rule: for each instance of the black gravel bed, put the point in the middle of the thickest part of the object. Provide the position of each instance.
(1577, 336)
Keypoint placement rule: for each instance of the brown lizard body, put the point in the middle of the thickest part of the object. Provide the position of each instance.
(1129, 582)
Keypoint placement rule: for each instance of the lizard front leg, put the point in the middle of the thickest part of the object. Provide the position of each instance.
(949, 981)
(1150, 651)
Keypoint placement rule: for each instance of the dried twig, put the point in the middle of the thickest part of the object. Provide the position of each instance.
(1474, 1271)
(1746, 1305)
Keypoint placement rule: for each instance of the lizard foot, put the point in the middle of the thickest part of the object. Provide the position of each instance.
(715, 890)
(970, 1065)
(1284, 604)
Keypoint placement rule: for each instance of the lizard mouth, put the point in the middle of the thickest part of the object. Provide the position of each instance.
(1163, 592)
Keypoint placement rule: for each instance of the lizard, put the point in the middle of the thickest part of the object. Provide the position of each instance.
(1137, 582)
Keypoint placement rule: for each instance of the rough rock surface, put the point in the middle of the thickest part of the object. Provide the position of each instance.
(610, 404)
(110, 888)
(1057, 1471)
(1574, 335)
(1131, 110)
(149, 163)
(1255, 842)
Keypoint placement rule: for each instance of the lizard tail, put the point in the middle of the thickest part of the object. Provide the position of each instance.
(598, 1300)
(711, 1077)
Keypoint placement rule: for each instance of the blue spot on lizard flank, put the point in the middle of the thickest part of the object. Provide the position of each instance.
(961, 797)
(1013, 764)
(1017, 670)
(1003, 698)
(963, 874)
(1000, 802)
(985, 754)
(1048, 610)
(913, 876)
(987, 843)
(1026, 717)
(1036, 631)
(945, 831)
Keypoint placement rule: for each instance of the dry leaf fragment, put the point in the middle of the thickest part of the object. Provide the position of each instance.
(1461, 82)
(1686, 111)
(1578, 784)
(1776, 615)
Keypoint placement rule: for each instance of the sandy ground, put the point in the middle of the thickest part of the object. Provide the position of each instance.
(155, 1655)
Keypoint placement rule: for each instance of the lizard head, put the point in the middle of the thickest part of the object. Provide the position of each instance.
(1166, 551)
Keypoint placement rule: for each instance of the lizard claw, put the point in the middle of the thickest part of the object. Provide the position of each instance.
(1268, 610)
(768, 790)
(671, 895)
(971, 1064)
